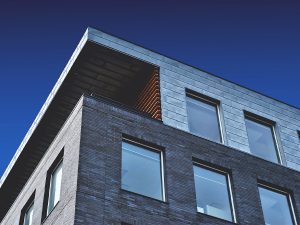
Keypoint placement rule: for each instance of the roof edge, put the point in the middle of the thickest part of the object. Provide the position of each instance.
(45, 106)
(143, 50)
(114, 42)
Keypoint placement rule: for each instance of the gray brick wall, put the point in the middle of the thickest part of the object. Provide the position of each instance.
(176, 76)
(100, 199)
(63, 214)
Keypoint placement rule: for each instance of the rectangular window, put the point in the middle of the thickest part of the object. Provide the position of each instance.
(261, 137)
(213, 193)
(277, 207)
(53, 186)
(142, 170)
(203, 117)
(27, 212)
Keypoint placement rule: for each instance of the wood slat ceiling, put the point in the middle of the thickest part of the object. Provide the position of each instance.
(97, 70)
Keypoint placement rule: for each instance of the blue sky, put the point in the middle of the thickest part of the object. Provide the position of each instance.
(252, 43)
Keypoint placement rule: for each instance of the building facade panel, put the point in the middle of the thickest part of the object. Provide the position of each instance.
(176, 74)
(101, 198)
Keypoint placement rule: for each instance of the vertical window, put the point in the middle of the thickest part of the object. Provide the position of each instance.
(142, 170)
(262, 138)
(27, 212)
(28, 216)
(203, 117)
(213, 193)
(276, 206)
(53, 186)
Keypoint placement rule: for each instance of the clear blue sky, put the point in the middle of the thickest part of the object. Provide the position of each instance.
(253, 43)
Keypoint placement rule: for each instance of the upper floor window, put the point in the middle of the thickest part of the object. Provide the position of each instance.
(27, 212)
(261, 137)
(277, 207)
(213, 193)
(142, 170)
(203, 117)
(53, 186)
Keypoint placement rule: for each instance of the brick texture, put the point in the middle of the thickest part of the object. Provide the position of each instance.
(63, 214)
(100, 199)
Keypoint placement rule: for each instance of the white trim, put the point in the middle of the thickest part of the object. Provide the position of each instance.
(216, 104)
(228, 182)
(44, 108)
(267, 123)
(50, 184)
(288, 196)
(162, 171)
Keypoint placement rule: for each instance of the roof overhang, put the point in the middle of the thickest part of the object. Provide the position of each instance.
(95, 68)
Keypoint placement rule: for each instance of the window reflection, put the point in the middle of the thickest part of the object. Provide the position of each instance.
(28, 216)
(55, 186)
(212, 193)
(261, 140)
(275, 207)
(203, 119)
(141, 171)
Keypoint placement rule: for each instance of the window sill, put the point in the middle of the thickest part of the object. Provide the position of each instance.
(43, 221)
(141, 195)
(216, 218)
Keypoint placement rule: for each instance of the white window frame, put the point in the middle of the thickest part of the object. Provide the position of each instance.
(31, 205)
(162, 172)
(229, 187)
(50, 186)
(213, 102)
(26, 207)
(269, 123)
(288, 195)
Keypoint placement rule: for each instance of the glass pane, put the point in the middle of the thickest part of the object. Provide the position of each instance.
(275, 207)
(28, 216)
(212, 193)
(261, 140)
(55, 186)
(141, 171)
(203, 119)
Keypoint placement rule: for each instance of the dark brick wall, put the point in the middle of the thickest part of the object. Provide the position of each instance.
(101, 201)
(91, 190)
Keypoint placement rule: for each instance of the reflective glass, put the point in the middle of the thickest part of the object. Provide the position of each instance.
(28, 216)
(275, 207)
(141, 171)
(261, 140)
(55, 186)
(212, 193)
(203, 119)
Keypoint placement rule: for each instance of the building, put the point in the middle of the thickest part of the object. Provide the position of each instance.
(128, 136)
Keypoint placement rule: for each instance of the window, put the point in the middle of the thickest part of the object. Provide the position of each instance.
(27, 212)
(142, 170)
(203, 117)
(53, 186)
(262, 138)
(276, 206)
(213, 193)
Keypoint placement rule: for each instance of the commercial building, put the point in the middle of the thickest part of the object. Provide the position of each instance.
(129, 136)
